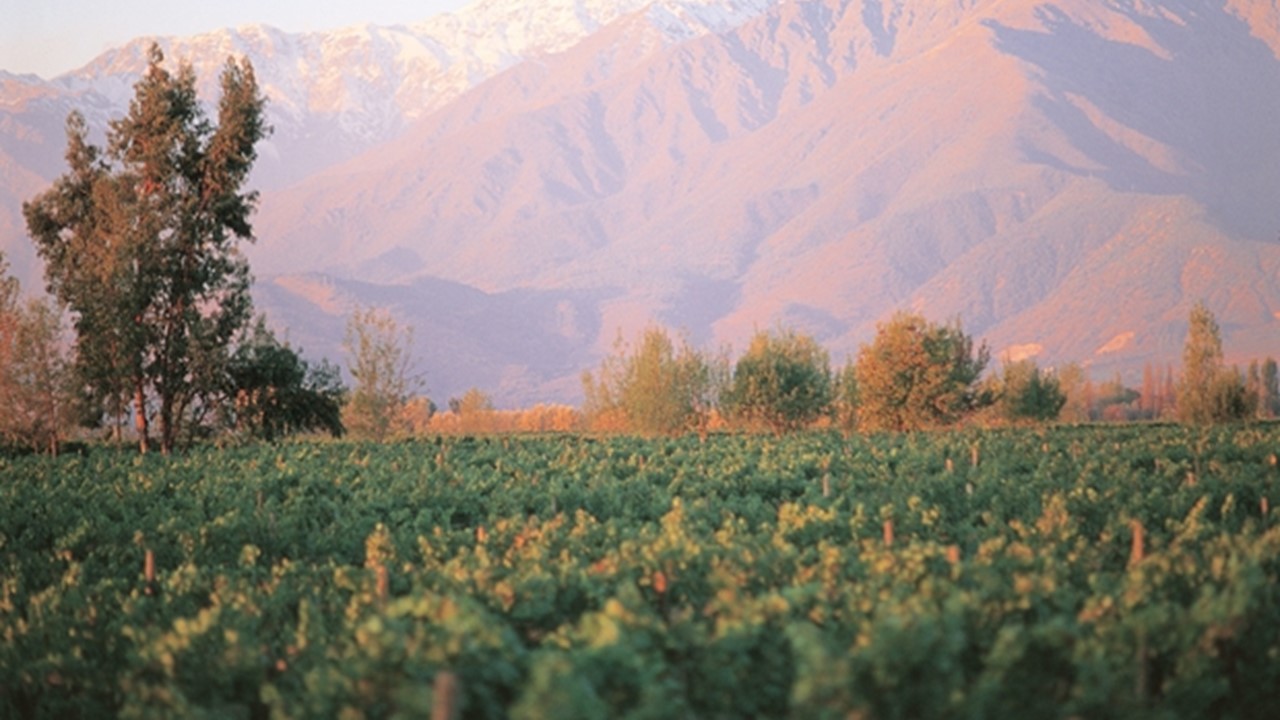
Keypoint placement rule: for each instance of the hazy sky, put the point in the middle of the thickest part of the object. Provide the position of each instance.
(50, 37)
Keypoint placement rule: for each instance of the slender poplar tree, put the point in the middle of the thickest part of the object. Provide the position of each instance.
(1209, 392)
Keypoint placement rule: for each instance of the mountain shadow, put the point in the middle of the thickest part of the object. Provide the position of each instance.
(1185, 91)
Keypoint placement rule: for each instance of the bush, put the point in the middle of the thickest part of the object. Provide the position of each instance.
(783, 382)
(657, 388)
(917, 374)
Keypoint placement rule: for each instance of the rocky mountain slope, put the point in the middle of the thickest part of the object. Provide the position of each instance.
(332, 94)
(1066, 177)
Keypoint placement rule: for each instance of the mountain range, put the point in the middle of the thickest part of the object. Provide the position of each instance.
(524, 182)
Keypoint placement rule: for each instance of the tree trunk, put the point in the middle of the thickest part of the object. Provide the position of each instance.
(140, 416)
(166, 424)
(53, 424)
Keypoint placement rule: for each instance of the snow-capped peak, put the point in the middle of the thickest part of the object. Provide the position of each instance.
(515, 28)
(337, 92)
(424, 64)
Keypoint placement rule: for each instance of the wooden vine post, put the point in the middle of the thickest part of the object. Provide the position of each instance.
(445, 692)
(1137, 549)
(149, 571)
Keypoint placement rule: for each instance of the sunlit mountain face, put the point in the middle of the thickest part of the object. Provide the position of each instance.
(522, 182)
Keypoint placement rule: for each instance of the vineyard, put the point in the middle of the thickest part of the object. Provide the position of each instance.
(1072, 572)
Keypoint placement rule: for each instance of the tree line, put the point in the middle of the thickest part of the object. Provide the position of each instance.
(914, 375)
(142, 243)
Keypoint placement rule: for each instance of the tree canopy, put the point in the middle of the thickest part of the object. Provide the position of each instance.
(916, 374)
(141, 242)
(379, 359)
(783, 381)
(1026, 393)
(38, 402)
(274, 392)
(845, 398)
(1209, 392)
(655, 388)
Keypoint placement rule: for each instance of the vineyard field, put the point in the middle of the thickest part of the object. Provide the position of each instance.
(1100, 572)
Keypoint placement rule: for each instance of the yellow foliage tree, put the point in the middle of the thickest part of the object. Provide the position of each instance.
(917, 374)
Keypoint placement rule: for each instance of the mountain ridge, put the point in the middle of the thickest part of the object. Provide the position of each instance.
(383, 88)
(1054, 201)
(1066, 177)
(333, 94)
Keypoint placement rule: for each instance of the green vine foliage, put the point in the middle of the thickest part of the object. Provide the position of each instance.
(890, 576)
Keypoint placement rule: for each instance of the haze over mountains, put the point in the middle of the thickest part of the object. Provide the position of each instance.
(522, 181)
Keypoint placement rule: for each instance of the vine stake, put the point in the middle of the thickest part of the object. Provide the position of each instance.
(445, 690)
(149, 570)
(1137, 551)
